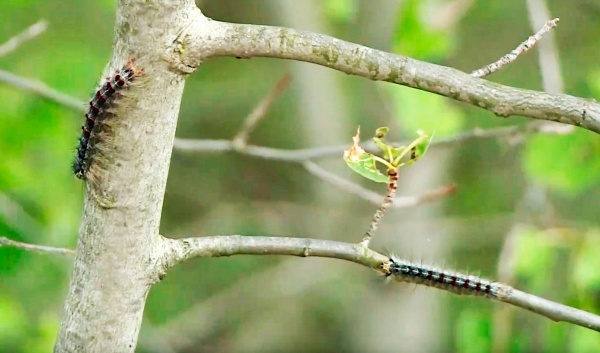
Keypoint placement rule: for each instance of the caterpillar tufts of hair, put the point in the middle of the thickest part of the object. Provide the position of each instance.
(99, 107)
(455, 282)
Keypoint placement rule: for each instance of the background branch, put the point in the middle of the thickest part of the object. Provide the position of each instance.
(42, 90)
(240, 140)
(36, 248)
(373, 197)
(29, 33)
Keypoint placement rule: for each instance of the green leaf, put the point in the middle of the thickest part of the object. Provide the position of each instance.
(420, 147)
(365, 163)
(417, 149)
(365, 166)
(381, 132)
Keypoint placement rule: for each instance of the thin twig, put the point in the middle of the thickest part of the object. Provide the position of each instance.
(179, 250)
(513, 55)
(29, 33)
(307, 154)
(240, 140)
(43, 90)
(342, 184)
(36, 248)
(388, 200)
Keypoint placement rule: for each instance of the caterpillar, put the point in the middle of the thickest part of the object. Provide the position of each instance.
(458, 283)
(99, 106)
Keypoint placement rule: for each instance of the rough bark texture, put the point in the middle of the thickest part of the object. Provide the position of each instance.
(118, 247)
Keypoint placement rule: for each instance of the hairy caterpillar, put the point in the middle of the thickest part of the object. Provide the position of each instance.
(99, 107)
(459, 283)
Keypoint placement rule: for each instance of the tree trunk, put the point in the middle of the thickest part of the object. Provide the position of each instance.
(118, 252)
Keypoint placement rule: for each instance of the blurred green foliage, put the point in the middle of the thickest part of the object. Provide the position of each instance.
(569, 163)
(40, 201)
(418, 39)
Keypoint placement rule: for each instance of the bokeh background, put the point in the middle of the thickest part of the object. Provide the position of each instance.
(525, 211)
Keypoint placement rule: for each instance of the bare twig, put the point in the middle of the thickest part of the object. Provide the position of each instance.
(513, 55)
(342, 183)
(307, 154)
(43, 90)
(297, 156)
(552, 310)
(31, 32)
(179, 250)
(36, 248)
(387, 201)
(240, 140)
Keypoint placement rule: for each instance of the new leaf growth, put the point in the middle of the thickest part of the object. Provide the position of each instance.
(393, 158)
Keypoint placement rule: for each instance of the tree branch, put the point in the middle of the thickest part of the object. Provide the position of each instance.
(179, 250)
(219, 39)
(241, 138)
(36, 248)
(29, 33)
(43, 90)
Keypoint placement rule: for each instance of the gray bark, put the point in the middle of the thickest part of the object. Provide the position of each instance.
(118, 248)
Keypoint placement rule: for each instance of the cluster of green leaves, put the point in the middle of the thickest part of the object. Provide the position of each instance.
(366, 164)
